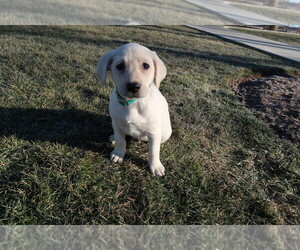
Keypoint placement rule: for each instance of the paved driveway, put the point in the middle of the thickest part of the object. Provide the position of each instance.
(238, 16)
(265, 45)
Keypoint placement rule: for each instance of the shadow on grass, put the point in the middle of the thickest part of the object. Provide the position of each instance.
(67, 34)
(62, 33)
(171, 29)
(256, 65)
(72, 127)
(33, 170)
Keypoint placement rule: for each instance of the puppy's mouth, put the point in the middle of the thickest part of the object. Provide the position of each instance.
(134, 95)
(129, 95)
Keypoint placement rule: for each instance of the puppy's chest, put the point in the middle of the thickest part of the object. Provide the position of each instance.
(134, 123)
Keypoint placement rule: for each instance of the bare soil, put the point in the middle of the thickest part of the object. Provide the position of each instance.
(276, 101)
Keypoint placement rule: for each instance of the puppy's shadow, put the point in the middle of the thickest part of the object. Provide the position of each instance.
(76, 128)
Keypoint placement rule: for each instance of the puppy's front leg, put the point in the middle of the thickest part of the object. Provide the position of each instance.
(117, 155)
(156, 168)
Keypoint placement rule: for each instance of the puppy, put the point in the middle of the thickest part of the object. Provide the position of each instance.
(136, 106)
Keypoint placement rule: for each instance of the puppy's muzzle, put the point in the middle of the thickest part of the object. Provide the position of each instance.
(133, 87)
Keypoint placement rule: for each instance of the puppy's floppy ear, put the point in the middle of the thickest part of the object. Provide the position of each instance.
(160, 69)
(104, 65)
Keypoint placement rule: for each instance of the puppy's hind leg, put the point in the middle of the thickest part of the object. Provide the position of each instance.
(111, 138)
(143, 139)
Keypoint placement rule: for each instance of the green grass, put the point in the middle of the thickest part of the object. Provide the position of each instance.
(286, 16)
(291, 39)
(105, 12)
(223, 166)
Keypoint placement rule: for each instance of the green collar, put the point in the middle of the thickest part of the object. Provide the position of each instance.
(123, 101)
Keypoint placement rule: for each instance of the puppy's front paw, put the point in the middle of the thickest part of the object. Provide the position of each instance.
(157, 169)
(116, 156)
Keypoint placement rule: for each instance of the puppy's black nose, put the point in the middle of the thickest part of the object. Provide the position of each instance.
(133, 87)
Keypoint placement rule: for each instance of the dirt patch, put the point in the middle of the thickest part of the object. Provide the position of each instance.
(276, 101)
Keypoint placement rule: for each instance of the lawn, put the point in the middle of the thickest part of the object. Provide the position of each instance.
(105, 12)
(223, 165)
(286, 16)
(283, 37)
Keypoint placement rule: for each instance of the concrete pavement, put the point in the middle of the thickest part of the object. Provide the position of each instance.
(238, 16)
(265, 45)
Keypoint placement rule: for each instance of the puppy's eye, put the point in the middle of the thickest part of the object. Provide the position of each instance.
(146, 66)
(120, 66)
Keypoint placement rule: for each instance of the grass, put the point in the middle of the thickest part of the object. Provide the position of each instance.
(291, 39)
(286, 16)
(223, 166)
(105, 12)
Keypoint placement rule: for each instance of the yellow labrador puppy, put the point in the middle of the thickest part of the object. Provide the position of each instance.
(137, 108)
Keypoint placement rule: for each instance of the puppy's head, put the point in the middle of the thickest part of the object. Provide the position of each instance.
(134, 68)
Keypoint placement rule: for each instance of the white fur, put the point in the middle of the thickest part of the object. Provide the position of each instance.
(148, 118)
